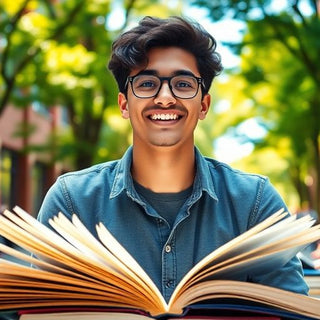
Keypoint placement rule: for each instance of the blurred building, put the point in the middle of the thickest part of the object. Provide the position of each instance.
(26, 176)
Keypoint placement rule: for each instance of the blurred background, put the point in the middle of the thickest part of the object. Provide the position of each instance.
(58, 101)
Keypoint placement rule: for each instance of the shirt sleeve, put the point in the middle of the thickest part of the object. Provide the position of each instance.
(55, 201)
(290, 276)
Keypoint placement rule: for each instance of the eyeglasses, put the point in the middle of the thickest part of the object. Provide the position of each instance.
(181, 86)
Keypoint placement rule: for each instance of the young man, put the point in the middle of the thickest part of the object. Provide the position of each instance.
(165, 203)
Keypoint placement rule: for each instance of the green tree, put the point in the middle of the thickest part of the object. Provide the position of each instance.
(55, 53)
(23, 30)
(281, 73)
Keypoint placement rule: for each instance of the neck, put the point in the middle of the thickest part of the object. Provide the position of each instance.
(162, 169)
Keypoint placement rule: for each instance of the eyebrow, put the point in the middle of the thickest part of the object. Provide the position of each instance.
(175, 73)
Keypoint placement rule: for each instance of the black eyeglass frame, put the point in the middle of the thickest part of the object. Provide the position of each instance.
(199, 81)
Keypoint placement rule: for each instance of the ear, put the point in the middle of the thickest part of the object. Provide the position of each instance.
(123, 105)
(205, 105)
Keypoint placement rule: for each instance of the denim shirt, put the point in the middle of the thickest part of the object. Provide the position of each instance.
(223, 204)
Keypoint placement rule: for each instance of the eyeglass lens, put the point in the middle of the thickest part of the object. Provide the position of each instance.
(182, 86)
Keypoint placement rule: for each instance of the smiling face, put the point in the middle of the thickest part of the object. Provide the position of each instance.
(164, 120)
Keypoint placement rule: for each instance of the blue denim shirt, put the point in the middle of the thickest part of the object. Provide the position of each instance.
(224, 203)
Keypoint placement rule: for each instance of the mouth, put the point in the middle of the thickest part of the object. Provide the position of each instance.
(164, 117)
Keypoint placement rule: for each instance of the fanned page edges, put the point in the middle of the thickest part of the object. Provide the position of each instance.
(55, 250)
(272, 297)
(112, 252)
(76, 269)
(258, 259)
(255, 240)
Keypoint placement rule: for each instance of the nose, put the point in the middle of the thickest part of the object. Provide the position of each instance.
(165, 96)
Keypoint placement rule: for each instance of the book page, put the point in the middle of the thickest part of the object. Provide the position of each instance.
(231, 245)
(123, 255)
(54, 250)
(280, 230)
(69, 259)
(37, 238)
(83, 316)
(275, 297)
(77, 234)
(262, 237)
(96, 273)
(259, 263)
(24, 287)
(260, 259)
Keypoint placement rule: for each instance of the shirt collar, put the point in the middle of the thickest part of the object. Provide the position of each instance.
(204, 179)
(123, 179)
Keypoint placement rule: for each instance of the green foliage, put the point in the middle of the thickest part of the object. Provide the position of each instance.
(278, 85)
(56, 53)
(235, 9)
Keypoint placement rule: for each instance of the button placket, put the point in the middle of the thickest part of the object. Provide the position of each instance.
(169, 268)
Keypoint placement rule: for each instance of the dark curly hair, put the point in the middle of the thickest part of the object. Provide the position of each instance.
(131, 48)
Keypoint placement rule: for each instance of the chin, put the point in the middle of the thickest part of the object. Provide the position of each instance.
(163, 144)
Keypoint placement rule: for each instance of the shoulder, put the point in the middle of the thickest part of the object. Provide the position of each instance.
(86, 179)
(223, 172)
(78, 191)
(105, 173)
(240, 183)
(248, 193)
(98, 171)
(87, 183)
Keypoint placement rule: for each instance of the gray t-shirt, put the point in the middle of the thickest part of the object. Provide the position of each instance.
(166, 204)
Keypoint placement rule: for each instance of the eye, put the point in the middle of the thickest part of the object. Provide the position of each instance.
(184, 83)
(145, 83)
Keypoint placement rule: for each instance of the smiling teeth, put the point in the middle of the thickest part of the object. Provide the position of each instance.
(164, 117)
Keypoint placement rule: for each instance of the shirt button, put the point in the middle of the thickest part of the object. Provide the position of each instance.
(168, 248)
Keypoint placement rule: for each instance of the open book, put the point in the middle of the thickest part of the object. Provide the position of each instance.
(71, 268)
